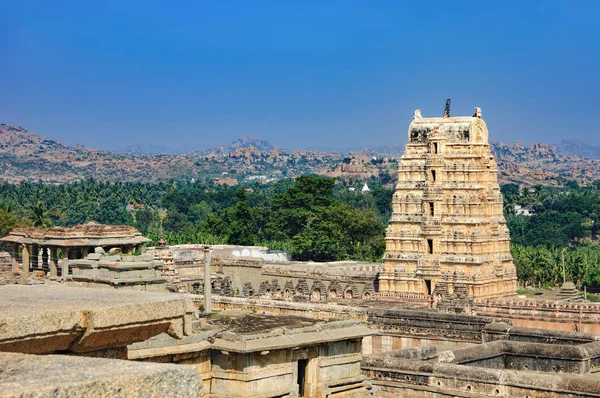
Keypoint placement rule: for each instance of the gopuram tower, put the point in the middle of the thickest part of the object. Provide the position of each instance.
(447, 239)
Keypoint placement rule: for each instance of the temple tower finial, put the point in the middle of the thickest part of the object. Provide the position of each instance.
(447, 108)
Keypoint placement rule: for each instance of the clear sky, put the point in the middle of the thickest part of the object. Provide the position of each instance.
(186, 75)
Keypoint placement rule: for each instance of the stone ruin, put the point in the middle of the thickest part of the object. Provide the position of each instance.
(37, 249)
(141, 272)
(511, 362)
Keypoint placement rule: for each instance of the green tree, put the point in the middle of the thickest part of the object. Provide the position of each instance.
(38, 215)
(144, 220)
(8, 221)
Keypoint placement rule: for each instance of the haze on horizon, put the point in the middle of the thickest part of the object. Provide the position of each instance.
(298, 74)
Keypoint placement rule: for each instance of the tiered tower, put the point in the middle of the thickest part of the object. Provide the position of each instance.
(447, 237)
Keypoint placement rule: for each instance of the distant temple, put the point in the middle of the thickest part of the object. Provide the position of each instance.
(447, 239)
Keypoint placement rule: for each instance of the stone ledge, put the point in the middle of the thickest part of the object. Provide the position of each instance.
(50, 318)
(69, 376)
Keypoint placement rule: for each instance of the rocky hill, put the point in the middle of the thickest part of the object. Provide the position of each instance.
(242, 143)
(542, 164)
(25, 156)
(578, 148)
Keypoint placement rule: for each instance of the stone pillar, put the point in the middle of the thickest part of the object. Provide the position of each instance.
(65, 263)
(25, 268)
(44, 257)
(207, 285)
(52, 263)
(35, 255)
(15, 257)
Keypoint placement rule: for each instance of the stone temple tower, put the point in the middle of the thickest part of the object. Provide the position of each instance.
(447, 239)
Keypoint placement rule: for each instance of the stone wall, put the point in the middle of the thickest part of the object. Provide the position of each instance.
(498, 369)
(316, 282)
(544, 314)
(504, 331)
(397, 328)
(276, 307)
(428, 324)
(331, 370)
(443, 380)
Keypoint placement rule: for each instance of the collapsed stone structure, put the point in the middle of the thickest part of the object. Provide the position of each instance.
(447, 239)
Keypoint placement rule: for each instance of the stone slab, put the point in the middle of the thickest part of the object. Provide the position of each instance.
(50, 318)
(69, 376)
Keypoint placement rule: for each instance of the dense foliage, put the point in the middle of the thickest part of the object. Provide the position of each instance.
(313, 217)
(565, 221)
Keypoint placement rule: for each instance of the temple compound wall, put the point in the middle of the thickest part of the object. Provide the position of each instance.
(256, 272)
(317, 282)
(447, 238)
(544, 314)
(519, 364)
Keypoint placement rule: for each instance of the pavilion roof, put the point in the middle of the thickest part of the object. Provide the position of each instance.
(88, 234)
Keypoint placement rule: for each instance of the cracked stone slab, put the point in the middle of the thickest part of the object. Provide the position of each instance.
(50, 318)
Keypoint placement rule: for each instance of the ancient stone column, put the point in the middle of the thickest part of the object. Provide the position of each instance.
(65, 263)
(207, 286)
(52, 262)
(25, 254)
(15, 258)
(44, 257)
(35, 255)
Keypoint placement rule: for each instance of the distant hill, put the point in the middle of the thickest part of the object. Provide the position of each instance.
(141, 149)
(18, 141)
(578, 148)
(243, 143)
(25, 156)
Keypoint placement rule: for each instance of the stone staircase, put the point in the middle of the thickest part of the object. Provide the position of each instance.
(568, 292)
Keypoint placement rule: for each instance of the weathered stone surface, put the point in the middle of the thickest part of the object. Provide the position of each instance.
(50, 318)
(247, 332)
(90, 234)
(63, 376)
(501, 368)
(119, 271)
(447, 239)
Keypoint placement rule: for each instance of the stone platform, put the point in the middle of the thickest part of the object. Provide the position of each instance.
(119, 271)
(45, 319)
(64, 376)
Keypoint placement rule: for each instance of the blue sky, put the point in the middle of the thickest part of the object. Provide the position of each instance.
(188, 75)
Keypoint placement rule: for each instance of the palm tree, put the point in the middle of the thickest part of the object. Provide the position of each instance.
(39, 217)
